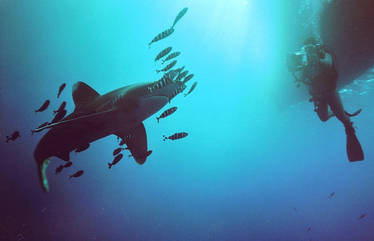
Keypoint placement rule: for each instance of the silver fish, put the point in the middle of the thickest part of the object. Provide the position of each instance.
(62, 107)
(169, 66)
(171, 56)
(77, 174)
(162, 35)
(179, 16)
(188, 77)
(182, 75)
(176, 136)
(163, 53)
(166, 113)
(115, 161)
(43, 107)
(62, 87)
(192, 88)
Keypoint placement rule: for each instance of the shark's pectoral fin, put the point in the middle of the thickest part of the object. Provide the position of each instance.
(136, 141)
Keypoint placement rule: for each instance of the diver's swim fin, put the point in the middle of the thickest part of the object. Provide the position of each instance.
(354, 150)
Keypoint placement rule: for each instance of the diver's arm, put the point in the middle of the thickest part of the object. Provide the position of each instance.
(327, 60)
(304, 79)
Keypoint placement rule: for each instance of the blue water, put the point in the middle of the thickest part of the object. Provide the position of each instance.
(254, 166)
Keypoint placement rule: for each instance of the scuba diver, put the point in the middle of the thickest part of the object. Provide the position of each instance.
(314, 66)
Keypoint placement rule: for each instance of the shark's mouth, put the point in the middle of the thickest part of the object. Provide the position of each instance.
(167, 87)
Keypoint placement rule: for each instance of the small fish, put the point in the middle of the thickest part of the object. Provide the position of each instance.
(169, 66)
(61, 108)
(123, 142)
(179, 16)
(43, 107)
(117, 151)
(13, 137)
(163, 53)
(77, 174)
(362, 216)
(171, 56)
(62, 87)
(182, 75)
(166, 113)
(59, 116)
(115, 161)
(59, 169)
(162, 35)
(176, 136)
(179, 70)
(192, 88)
(82, 148)
(331, 195)
(41, 126)
(171, 74)
(309, 229)
(68, 164)
(188, 77)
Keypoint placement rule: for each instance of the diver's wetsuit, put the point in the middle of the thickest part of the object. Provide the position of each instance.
(323, 89)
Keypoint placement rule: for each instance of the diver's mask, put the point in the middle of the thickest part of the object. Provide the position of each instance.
(305, 62)
(308, 55)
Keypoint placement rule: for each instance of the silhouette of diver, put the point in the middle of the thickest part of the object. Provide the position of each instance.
(314, 66)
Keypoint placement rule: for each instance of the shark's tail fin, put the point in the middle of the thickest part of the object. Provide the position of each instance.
(42, 167)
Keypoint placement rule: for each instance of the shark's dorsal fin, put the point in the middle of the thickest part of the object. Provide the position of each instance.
(83, 93)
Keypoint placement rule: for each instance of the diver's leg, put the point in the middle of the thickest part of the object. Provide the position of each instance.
(354, 150)
(321, 107)
(337, 108)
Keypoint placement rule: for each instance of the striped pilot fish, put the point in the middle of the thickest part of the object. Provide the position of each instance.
(169, 66)
(171, 56)
(162, 35)
(166, 113)
(192, 88)
(176, 136)
(163, 53)
(182, 75)
(188, 77)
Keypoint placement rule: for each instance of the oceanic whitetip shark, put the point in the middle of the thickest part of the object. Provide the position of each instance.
(120, 112)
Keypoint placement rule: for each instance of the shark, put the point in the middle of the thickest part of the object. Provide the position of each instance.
(120, 112)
